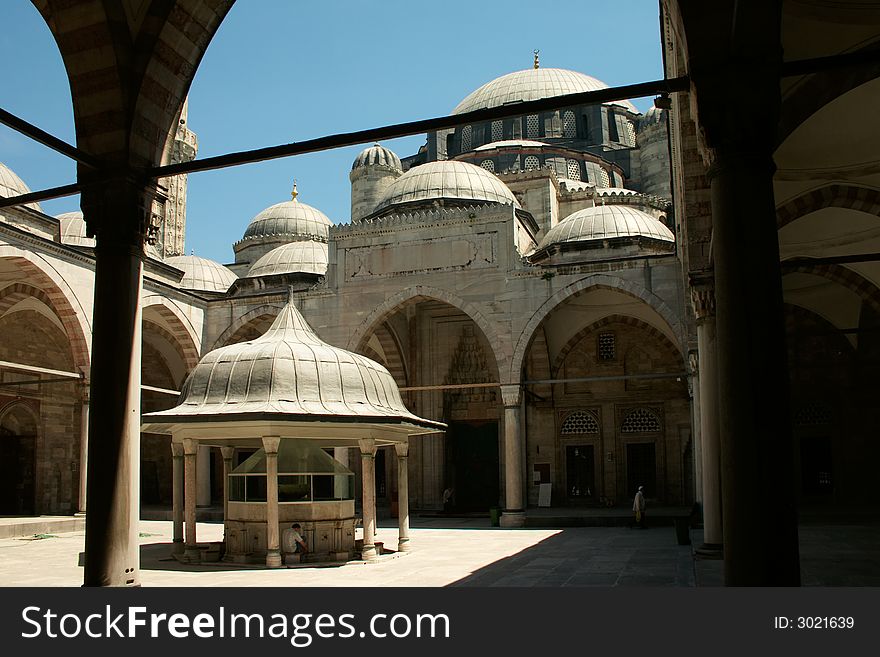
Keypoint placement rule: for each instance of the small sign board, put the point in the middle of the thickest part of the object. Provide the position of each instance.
(544, 495)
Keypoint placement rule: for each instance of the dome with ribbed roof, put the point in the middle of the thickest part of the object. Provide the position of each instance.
(606, 222)
(448, 180)
(12, 185)
(532, 84)
(290, 220)
(654, 116)
(293, 258)
(73, 229)
(289, 373)
(377, 155)
(202, 274)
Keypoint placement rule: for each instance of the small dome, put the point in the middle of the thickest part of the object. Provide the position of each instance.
(290, 220)
(447, 179)
(201, 274)
(12, 185)
(533, 84)
(73, 229)
(510, 143)
(654, 116)
(377, 155)
(289, 373)
(293, 258)
(606, 222)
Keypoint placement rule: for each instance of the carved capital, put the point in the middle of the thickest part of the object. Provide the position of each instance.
(270, 444)
(176, 450)
(368, 447)
(123, 213)
(402, 450)
(190, 447)
(227, 452)
(511, 395)
(702, 296)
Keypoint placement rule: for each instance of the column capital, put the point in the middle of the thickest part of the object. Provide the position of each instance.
(176, 449)
(270, 444)
(511, 395)
(227, 452)
(367, 446)
(120, 213)
(402, 450)
(702, 285)
(190, 446)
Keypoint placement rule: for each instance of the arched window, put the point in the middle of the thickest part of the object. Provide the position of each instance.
(574, 170)
(465, 138)
(532, 162)
(532, 126)
(580, 422)
(488, 165)
(640, 420)
(497, 130)
(569, 125)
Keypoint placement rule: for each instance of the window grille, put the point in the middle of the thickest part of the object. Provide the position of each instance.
(574, 170)
(811, 415)
(532, 162)
(497, 130)
(532, 126)
(569, 126)
(488, 165)
(641, 420)
(580, 422)
(606, 346)
(466, 138)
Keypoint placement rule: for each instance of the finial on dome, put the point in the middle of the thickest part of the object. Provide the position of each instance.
(537, 63)
(293, 192)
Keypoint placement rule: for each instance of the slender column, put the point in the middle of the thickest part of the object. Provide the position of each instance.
(273, 534)
(696, 433)
(228, 453)
(402, 450)
(190, 483)
(83, 450)
(703, 298)
(119, 214)
(177, 497)
(368, 477)
(203, 463)
(513, 514)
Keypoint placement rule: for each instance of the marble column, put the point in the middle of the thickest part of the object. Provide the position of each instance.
(368, 477)
(402, 450)
(119, 214)
(703, 299)
(177, 484)
(273, 532)
(228, 453)
(696, 434)
(190, 486)
(513, 514)
(203, 463)
(83, 450)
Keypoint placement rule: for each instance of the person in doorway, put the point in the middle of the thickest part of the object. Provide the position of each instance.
(639, 507)
(297, 537)
(447, 499)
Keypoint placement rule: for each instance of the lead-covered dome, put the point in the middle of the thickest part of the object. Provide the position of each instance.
(532, 84)
(604, 222)
(294, 258)
(377, 155)
(290, 221)
(201, 274)
(12, 185)
(73, 229)
(449, 180)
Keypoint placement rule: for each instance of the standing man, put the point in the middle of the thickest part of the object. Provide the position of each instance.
(639, 508)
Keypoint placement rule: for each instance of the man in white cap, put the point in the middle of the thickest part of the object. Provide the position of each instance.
(639, 508)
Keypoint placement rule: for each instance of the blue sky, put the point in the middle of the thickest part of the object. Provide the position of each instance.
(284, 70)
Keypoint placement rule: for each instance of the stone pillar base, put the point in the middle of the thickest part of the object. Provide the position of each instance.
(710, 551)
(403, 545)
(512, 519)
(273, 559)
(191, 554)
(177, 546)
(369, 553)
(79, 514)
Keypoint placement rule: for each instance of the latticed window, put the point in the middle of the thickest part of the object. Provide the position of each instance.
(580, 422)
(532, 162)
(488, 165)
(811, 415)
(497, 130)
(532, 126)
(569, 125)
(630, 133)
(604, 180)
(466, 138)
(574, 169)
(640, 420)
(606, 346)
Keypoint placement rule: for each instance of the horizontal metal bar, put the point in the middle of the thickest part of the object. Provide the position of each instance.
(43, 195)
(586, 379)
(39, 370)
(793, 263)
(30, 130)
(451, 386)
(34, 382)
(163, 391)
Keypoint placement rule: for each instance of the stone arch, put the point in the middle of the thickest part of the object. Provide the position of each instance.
(234, 329)
(843, 276)
(851, 197)
(57, 295)
(18, 485)
(595, 281)
(500, 347)
(182, 334)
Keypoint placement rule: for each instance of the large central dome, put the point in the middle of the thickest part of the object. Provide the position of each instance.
(532, 84)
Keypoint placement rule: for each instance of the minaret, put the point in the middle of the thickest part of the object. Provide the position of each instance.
(172, 232)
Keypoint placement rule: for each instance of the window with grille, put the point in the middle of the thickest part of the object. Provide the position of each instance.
(569, 126)
(574, 169)
(488, 165)
(630, 133)
(613, 134)
(640, 420)
(811, 415)
(532, 162)
(604, 180)
(580, 422)
(532, 126)
(466, 138)
(497, 130)
(606, 346)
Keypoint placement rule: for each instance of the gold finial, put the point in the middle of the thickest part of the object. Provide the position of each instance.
(537, 63)
(293, 192)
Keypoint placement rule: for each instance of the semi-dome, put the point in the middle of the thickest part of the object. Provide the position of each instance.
(290, 221)
(532, 84)
(201, 274)
(12, 185)
(73, 229)
(377, 155)
(293, 258)
(450, 180)
(606, 222)
(289, 373)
